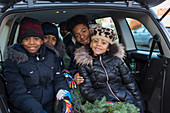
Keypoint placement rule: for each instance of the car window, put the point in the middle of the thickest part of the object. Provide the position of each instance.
(142, 37)
(107, 22)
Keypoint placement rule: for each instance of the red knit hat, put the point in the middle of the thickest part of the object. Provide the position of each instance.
(30, 27)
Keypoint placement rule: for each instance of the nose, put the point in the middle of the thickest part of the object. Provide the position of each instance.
(81, 36)
(32, 41)
(49, 40)
(98, 43)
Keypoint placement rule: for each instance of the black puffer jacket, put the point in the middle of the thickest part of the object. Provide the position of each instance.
(73, 67)
(32, 79)
(107, 76)
(60, 51)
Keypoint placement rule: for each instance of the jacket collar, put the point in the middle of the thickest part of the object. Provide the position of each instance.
(17, 53)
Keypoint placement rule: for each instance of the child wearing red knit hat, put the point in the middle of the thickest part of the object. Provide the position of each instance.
(34, 77)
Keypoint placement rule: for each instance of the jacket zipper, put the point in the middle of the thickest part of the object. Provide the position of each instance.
(108, 80)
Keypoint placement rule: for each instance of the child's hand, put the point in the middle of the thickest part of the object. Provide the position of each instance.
(78, 79)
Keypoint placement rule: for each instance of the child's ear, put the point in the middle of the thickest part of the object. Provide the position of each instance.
(42, 41)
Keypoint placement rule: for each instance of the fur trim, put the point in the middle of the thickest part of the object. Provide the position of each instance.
(82, 56)
(52, 48)
(120, 53)
(59, 49)
(16, 55)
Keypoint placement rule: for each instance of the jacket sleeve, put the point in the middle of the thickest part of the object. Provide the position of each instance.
(86, 88)
(18, 94)
(59, 80)
(73, 68)
(130, 83)
(61, 63)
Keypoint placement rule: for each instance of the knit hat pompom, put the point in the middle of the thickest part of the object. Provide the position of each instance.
(104, 33)
(50, 29)
(30, 27)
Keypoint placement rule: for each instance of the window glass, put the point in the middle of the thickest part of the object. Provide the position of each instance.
(142, 37)
(107, 22)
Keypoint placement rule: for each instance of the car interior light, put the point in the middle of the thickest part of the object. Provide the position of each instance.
(57, 12)
(64, 11)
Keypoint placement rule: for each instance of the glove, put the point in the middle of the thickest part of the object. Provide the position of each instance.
(69, 79)
(63, 94)
(64, 106)
(43, 111)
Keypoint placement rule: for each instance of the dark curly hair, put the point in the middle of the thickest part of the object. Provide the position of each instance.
(75, 20)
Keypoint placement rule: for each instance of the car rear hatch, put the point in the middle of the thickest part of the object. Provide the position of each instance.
(6, 4)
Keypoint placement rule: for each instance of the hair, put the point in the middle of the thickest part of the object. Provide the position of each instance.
(62, 24)
(76, 20)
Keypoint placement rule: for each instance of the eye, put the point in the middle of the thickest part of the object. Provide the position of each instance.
(46, 37)
(95, 41)
(84, 30)
(76, 35)
(103, 43)
(36, 38)
(26, 38)
(54, 39)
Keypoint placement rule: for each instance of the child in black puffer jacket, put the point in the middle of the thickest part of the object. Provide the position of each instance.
(104, 71)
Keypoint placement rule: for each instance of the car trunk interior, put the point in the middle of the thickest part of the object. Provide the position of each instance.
(152, 74)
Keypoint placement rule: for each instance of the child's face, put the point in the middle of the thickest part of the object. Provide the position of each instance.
(50, 39)
(63, 31)
(99, 46)
(32, 44)
(82, 34)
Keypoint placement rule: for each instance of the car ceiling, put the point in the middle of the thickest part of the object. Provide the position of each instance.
(8, 3)
(92, 14)
(53, 17)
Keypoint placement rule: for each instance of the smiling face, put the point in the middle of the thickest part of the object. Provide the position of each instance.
(50, 39)
(99, 46)
(32, 44)
(81, 34)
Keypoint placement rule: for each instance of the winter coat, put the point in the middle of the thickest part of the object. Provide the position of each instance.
(67, 39)
(60, 51)
(33, 79)
(107, 76)
(73, 67)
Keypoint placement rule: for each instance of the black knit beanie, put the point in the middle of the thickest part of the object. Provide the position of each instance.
(50, 29)
(30, 27)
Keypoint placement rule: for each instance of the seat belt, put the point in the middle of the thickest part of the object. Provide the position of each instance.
(1, 62)
(156, 39)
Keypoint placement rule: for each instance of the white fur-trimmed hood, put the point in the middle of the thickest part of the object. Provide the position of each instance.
(82, 56)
